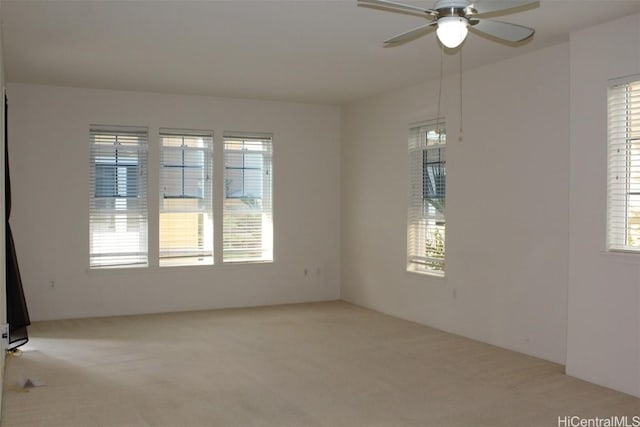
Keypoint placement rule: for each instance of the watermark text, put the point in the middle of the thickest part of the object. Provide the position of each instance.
(614, 421)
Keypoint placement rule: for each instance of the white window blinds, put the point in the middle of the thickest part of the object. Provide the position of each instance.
(623, 177)
(247, 210)
(186, 203)
(118, 197)
(427, 195)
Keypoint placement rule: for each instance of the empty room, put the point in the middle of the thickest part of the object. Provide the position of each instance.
(320, 213)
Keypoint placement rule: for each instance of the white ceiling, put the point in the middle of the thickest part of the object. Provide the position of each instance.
(326, 51)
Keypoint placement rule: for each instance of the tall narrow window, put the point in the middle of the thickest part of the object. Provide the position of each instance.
(186, 203)
(623, 178)
(247, 211)
(427, 195)
(118, 199)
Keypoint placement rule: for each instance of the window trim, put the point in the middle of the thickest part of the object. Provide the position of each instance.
(151, 186)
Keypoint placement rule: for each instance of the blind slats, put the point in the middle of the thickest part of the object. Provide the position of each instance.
(427, 196)
(623, 175)
(118, 207)
(118, 197)
(247, 210)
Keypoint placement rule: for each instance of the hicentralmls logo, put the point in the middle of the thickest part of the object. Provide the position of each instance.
(614, 421)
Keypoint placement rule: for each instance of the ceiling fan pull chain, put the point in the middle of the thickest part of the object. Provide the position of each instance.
(438, 119)
(460, 135)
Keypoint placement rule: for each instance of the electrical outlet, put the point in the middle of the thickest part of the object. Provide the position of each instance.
(5, 336)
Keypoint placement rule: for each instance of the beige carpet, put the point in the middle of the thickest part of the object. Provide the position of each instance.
(325, 364)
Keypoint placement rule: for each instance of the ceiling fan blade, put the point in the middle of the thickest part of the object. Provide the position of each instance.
(503, 30)
(398, 7)
(411, 34)
(500, 7)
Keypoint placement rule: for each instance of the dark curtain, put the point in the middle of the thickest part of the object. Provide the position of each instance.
(17, 314)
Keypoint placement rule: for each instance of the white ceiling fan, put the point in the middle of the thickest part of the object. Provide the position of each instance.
(452, 18)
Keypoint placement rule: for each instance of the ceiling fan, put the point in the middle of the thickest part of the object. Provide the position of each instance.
(452, 18)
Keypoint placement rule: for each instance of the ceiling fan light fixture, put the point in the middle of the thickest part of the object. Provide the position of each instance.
(452, 30)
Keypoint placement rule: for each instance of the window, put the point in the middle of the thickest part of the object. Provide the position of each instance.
(186, 207)
(623, 178)
(247, 211)
(427, 184)
(118, 197)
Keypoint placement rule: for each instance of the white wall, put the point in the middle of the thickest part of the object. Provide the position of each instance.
(507, 205)
(49, 164)
(604, 288)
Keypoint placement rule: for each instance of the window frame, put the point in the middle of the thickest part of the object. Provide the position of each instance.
(118, 184)
(426, 219)
(115, 218)
(244, 205)
(623, 165)
(204, 201)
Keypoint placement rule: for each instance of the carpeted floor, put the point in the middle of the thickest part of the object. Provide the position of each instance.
(323, 364)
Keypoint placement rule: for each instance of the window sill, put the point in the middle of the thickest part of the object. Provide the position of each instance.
(435, 275)
(176, 268)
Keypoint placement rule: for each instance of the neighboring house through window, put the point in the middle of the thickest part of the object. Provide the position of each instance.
(427, 198)
(623, 178)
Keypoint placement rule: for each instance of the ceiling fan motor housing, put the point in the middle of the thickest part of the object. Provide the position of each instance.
(452, 8)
